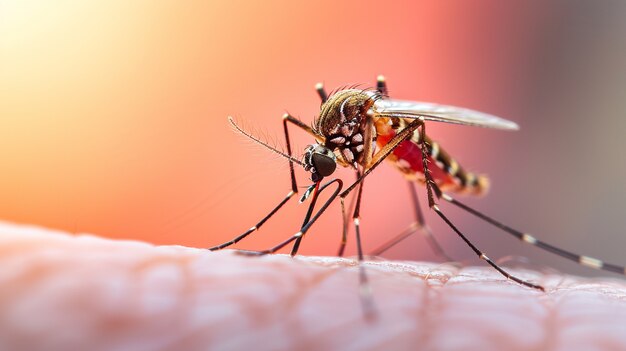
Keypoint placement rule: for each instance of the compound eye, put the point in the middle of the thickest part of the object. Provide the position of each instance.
(324, 165)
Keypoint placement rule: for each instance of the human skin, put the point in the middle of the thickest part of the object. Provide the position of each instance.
(80, 292)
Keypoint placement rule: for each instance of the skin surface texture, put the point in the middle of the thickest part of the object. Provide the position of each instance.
(81, 292)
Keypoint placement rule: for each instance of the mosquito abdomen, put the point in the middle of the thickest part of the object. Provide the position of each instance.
(445, 170)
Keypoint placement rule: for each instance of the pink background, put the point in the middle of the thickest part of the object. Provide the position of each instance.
(113, 116)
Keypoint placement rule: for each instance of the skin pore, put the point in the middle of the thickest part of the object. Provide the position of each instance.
(61, 292)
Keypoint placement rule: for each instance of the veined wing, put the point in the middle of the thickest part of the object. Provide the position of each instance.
(440, 113)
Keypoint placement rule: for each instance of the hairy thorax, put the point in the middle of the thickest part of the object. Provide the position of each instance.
(343, 123)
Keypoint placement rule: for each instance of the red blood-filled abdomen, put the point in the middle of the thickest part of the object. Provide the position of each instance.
(407, 157)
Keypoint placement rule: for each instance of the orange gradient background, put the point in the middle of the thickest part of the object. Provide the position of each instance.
(113, 116)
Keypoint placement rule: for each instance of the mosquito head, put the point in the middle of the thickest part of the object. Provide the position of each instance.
(320, 161)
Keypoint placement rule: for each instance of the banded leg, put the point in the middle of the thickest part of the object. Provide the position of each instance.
(483, 256)
(323, 96)
(431, 187)
(345, 224)
(307, 217)
(381, 85)
(344, 235)
(294, 185)
(419, 225)
(529, 239)
(430, 182)
(403, 135)
(365, 288)
(319, 87)
(377, 159)
(308, 223)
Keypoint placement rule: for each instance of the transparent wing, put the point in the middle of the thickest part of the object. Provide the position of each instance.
(440, 113)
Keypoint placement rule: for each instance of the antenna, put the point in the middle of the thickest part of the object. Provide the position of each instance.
(271, 148)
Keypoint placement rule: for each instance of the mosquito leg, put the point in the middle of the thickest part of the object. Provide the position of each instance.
(344, 229)
(365, 288)
(308, 224)
(356, 218)
(296, 245)
(321, 92)
(381, 85)
(408, 231)
(345, 220)
(307, 218)
(294, 189)
(374, 162)
(529, 239)
(432, 186)
(255, 227)
(298, 123)
(483, 256)
(430, 183)
(418, 225)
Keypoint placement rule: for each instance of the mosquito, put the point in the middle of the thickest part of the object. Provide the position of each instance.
(358, 129)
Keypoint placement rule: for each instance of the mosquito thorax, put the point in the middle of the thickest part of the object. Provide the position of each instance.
(342, 122)
(320, 161)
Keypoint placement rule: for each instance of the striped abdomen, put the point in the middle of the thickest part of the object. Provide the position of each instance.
(407, 158)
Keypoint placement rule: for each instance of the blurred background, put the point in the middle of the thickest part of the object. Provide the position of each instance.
(113, 117)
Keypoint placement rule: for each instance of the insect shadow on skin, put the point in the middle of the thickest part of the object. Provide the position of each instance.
(358, 129)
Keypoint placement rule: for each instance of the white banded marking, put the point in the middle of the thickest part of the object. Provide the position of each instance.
(590, 262)
(470, 178)
(415, 138)
(453, 168)
(529, 239)
(447, 197)
(483, 182)
(434, 150)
